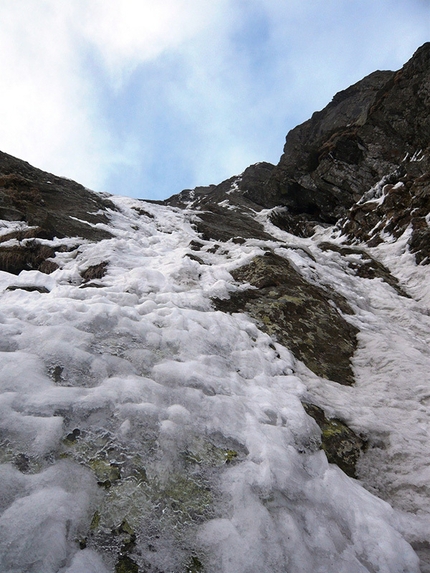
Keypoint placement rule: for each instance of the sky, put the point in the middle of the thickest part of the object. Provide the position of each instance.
(146, 98)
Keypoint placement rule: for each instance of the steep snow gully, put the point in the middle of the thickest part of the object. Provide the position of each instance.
(142, 430)
(233, 381)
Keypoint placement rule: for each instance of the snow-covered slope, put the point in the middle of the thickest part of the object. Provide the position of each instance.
(182, 384)
(143, 430)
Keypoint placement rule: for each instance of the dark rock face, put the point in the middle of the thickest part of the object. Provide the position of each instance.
(214, 224)
(52, 206)
(402, 201)
(58, 207)
(244, 189)
(362, 135)
(342, 446)
(377, 130)
(226, 211)
(30, 255)
(316, 173)
(298, 314)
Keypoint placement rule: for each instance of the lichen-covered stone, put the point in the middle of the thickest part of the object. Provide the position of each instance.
(205, 453)
(301, 316)
(341, 445)
(194, 565)
(126, 565)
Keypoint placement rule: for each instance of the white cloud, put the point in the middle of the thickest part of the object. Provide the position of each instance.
(49, 112)
(130, 32)
(46, 110)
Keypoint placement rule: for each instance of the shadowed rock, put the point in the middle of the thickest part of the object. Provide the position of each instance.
(58, 207)
(227, 211)
(94, 272)
(25, 257)
(402, 202)
(362, 135)
(341, 445)
(52, 206)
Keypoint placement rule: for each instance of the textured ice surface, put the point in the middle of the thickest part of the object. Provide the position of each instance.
(137, 422)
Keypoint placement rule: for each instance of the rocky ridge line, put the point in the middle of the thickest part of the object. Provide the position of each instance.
(373, 138)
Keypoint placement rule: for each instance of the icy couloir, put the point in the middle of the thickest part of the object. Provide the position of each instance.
(143, 430)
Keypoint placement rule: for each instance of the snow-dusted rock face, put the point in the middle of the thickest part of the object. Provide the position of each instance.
(372, 137)
(367, 132)
(180, 384)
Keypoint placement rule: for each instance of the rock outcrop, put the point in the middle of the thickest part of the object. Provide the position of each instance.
(300, 315)
(373, 138)
(47, 206)
(368, 131)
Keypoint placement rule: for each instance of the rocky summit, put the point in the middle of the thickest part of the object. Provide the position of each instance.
(236, 379)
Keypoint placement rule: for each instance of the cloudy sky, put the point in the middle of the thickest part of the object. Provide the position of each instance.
(148, 97)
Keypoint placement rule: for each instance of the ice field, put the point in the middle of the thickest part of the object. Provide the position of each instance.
(140, 427)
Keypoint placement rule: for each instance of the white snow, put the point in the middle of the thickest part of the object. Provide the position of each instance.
(147, 370)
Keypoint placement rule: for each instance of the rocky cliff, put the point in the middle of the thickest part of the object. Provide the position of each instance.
(181, 382)
(371, 141)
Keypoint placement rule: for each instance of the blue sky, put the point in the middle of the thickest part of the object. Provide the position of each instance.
(145, 101)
